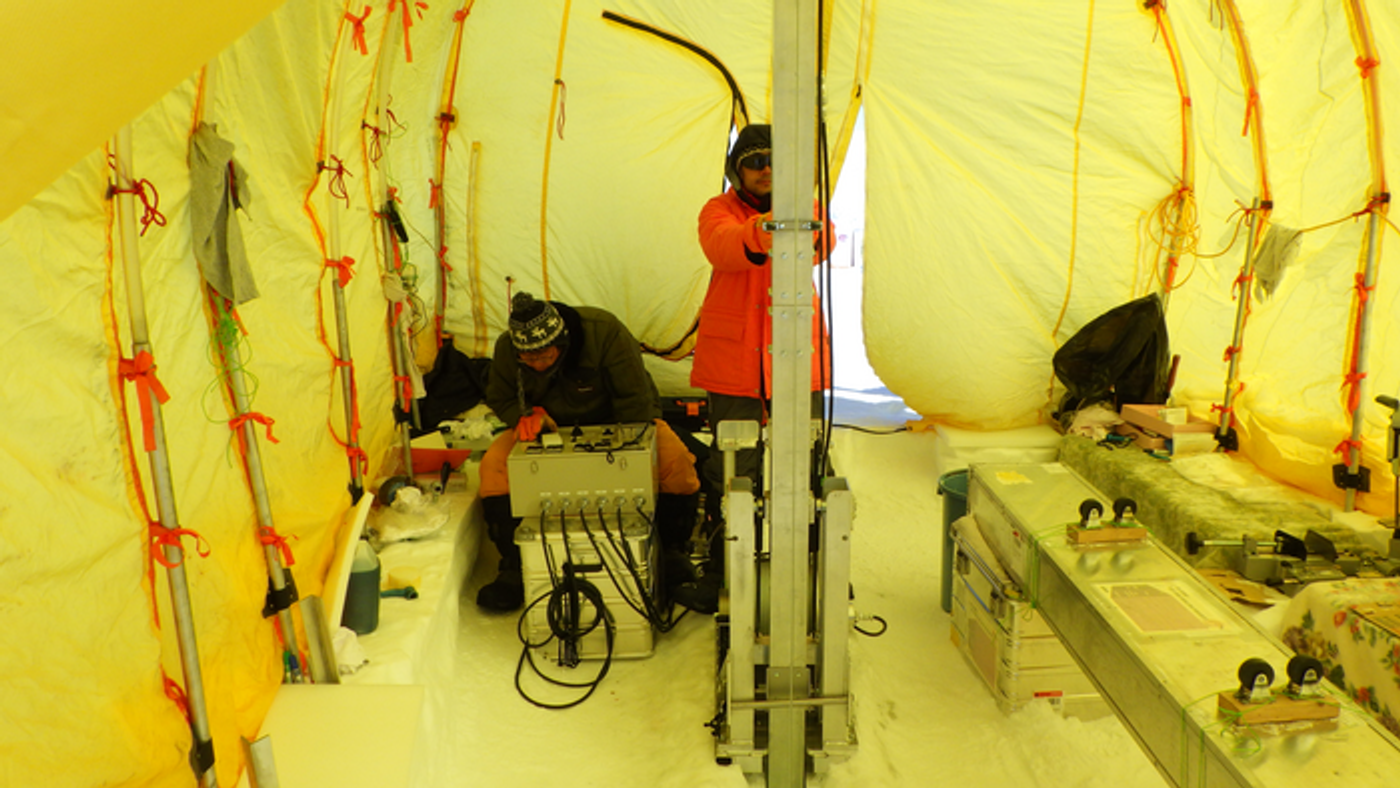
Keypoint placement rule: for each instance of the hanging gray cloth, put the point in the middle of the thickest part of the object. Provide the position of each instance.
(217, 190)
(1278, 250)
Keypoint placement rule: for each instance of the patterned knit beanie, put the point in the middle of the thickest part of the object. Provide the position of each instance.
(534, 324)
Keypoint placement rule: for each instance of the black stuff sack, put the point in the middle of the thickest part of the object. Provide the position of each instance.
(1120, 357)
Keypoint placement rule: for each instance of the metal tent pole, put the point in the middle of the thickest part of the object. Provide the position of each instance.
(446, 121)
(394, 235)
(282, 591)
(794, 148)
(343, 356)
(1359, 362)
(399, 312)
(1225, 434)
(1173, 254)
(202, 751)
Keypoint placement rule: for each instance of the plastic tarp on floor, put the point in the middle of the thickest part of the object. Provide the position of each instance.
(1030, 165)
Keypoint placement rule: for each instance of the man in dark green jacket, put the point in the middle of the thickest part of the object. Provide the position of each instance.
(563, 365)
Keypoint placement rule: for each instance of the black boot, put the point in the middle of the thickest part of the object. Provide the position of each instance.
(675, 520)
(507, 591)
(702, 595)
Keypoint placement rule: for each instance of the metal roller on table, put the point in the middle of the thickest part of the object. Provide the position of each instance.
(1158, 642)
(1289, 563)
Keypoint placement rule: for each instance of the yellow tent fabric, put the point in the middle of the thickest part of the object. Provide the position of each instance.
(80, 70)
(1049, 142)
(1020, 156)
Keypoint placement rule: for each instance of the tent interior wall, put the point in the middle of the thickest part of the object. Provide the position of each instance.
(1029, 166)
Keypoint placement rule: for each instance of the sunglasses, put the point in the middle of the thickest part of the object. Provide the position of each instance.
(756, 161)
(541, 354)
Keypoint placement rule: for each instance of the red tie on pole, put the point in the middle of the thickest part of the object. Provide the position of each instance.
(142, 371)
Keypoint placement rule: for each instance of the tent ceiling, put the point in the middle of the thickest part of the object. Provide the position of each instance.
(76, 70)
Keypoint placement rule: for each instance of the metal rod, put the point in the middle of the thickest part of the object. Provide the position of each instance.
(1227, 417)
(794, 148)
(398, 347)
(446, 122)
(252, 457)
(347, 380)
(159, 459)
(834, 618)
(399, 355)
(1359, 362)
(480, 337)
(742, 582)
(781, 704)
(343, 355)
(1173, 253)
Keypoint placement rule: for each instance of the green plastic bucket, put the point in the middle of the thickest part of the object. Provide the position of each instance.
(953, 487)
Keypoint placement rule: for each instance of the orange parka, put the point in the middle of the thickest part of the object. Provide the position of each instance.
(734, 344)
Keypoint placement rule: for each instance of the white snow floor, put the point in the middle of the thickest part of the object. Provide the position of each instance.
(923, 716)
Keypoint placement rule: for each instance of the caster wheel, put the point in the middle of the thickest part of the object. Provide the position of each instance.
(1304, 673)
(1089, 508)
(1124, 509)
(1256, 676)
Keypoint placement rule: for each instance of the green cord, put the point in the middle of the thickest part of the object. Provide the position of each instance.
(1247, 741)
(1185, 742)
(229, 353)
(1033, 563)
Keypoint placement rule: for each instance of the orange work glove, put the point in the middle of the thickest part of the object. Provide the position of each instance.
(530, 424)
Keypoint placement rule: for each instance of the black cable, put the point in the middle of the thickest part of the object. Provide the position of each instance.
(652, 613)
(884, 627)
(737, 110)
(736, 96)
(828, 245)
(561, 611)
(870, 431)
(562, 616)
(662, 620)
(527, 656)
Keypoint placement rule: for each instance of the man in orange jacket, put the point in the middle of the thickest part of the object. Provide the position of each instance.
(733, 348)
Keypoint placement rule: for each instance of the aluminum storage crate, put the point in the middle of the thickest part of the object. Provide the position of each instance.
(1006, 641)
(615, 558)
(1015, 504)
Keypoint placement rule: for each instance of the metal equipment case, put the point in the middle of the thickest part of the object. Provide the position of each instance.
(1005, 639)
(614, 555)
(1161, 644)
(1015, 504)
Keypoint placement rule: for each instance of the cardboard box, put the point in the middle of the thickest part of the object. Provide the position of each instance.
(1151, 419)
(1143, 440)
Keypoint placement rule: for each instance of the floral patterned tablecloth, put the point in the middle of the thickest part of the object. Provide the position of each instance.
(1341, 624)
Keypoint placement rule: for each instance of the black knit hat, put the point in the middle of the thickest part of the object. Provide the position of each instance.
(534, 324)
(754, 138)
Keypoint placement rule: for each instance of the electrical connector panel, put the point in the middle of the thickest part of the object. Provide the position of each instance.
(599, 468)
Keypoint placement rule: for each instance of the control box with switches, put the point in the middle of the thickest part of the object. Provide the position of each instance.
(599, 468)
